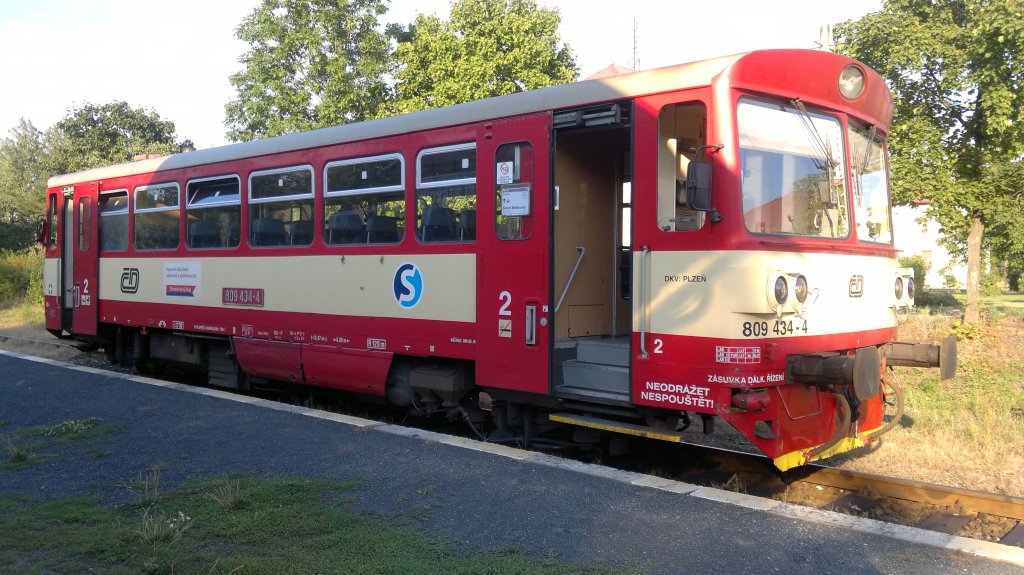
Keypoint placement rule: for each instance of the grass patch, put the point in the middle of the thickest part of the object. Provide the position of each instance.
(966, 431)
(21, 313)
(17, 452)
(287, 525)
(145, 490)
(28, 446)
(230, 495)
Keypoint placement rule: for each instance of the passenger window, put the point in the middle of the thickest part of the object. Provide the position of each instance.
(281, 207)
(446, 194)
(364, 201)
(113, 209)
(214, 212)
(681, 131)
(157, 217)
(53, 222)
(513, 213)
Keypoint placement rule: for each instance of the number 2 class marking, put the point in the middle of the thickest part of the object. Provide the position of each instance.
(506, 297)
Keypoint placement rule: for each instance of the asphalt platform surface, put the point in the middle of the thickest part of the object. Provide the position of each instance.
(477, 498)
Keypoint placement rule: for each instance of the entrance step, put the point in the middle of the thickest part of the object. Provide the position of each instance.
(594, 381)
(604, 351)
(618, 427)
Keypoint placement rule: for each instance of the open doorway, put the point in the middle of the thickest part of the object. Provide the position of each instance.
(591, 223)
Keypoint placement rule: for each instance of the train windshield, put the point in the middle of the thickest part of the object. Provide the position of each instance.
(870, 185)
(793, 170)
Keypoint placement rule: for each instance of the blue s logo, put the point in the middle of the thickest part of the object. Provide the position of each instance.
(408, 285)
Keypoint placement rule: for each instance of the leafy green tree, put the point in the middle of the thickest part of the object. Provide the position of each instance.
(23, 176)
(98, 135)
(955, 68)
(311, 64)
(1005, 216)
(487, 48)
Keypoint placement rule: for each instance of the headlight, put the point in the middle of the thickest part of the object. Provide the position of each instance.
(911, 288)
(851, 82)
(781, 290)
(801, 288)
(899, 288)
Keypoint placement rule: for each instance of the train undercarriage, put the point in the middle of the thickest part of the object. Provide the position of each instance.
(446, 388)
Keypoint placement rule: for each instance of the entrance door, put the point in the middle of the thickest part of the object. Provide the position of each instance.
(84, 264)
(513, 297)
(67, 259)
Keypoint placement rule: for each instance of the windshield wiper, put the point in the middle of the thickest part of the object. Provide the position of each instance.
(869, 147)
(823, 149)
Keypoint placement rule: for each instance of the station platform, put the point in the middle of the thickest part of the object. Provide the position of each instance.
(479, 495)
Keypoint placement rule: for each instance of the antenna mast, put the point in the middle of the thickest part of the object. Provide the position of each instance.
(636, 53)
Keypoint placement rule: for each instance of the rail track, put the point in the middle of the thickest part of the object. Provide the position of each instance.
(950, 510)
(945, 509)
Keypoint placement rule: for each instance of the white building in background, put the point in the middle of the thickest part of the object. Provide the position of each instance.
(917, 234)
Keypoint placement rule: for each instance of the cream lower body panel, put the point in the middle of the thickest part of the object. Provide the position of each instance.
(729, 294)
(336, 285)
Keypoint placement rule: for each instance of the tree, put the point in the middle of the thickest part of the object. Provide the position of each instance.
(311, 64)
(98, 135)
(487, 48)
(1006, 216)
(955, 68)
(23, 176)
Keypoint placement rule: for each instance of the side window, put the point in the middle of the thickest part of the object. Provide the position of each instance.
(157, 217)
(281, 207)
(682, 130)
(364, 200)
(53, 222)
(513, 213)
(84, 222)
(870, 185)
(446, 194)
(214, 212)
(113, 209)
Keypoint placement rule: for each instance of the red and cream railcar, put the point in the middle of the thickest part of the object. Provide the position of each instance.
(712, 238)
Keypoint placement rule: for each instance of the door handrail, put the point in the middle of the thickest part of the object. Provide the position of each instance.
(582, 250)
(643, 302)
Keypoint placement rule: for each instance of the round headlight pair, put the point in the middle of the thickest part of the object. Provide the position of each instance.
(911, 288)
(782, 289)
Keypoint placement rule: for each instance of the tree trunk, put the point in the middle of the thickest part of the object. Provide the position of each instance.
(973, 313)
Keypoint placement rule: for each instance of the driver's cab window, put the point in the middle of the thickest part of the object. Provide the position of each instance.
(682, 130)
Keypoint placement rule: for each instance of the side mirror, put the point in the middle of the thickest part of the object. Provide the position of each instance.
(698, 188)
(42, 231)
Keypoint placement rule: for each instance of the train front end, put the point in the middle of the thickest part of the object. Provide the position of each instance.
(782, 317)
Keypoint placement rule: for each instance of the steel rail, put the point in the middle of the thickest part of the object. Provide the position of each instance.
(967, 500)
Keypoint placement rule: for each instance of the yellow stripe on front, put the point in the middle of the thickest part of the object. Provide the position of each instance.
(800, 457)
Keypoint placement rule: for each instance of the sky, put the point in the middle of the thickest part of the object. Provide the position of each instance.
(176, 57)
